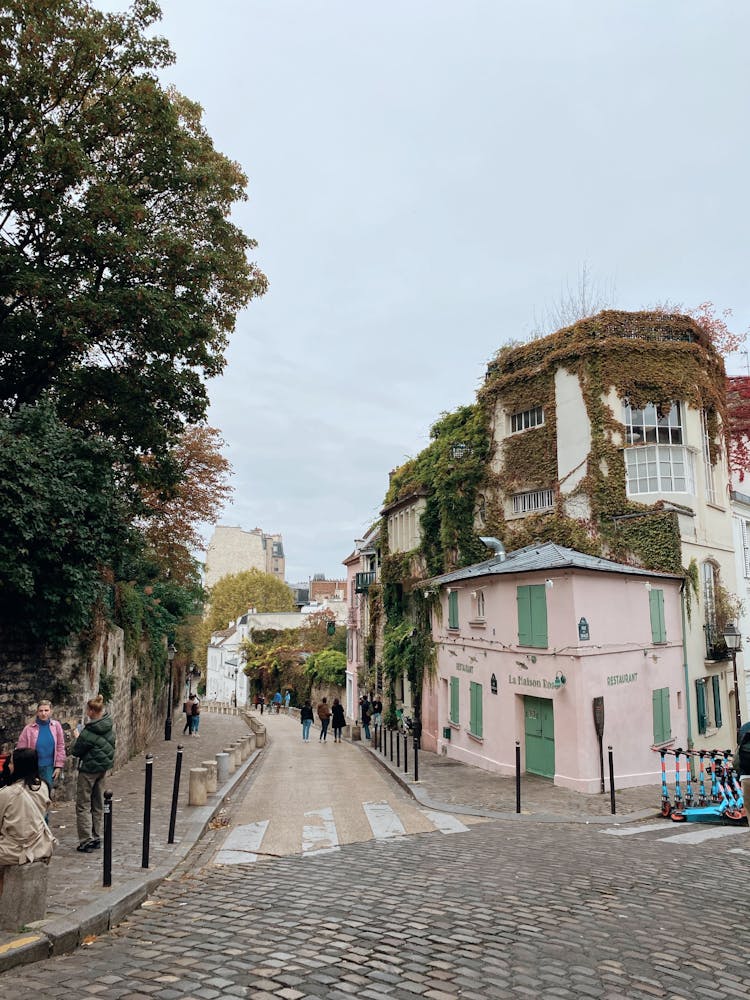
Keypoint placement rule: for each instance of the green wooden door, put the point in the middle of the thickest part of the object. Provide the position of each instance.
(539, 723)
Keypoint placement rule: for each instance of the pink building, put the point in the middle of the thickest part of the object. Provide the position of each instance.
(533, 644)
(362, 571)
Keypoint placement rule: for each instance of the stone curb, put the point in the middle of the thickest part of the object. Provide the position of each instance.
(64, 934)
(415, 789)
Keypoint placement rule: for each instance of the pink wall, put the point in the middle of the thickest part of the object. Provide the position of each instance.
(619, 662)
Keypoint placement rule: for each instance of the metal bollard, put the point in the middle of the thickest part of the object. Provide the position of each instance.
(107, 855)
(175, 794)
(398, 749)
(416, 759)
(385, 742)
(391, 732)
(518, 776)
(147, 810)
(611, 780)
(406, 747)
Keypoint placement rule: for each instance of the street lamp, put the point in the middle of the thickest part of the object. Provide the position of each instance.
(733, 639)
(168, 721)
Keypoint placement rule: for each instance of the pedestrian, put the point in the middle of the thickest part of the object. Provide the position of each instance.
(366, 718)
(742, 761)
(95, 747)
(377, 710)
(338, 720)
(45, 735)
(255, 701)
(187, 708)
(287, 701)
(24, 834)
(306, 717)
(261, 702)
(195, 715)
(324, 714)
(277, 702)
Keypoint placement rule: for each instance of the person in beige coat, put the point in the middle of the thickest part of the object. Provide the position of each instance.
(24, 835)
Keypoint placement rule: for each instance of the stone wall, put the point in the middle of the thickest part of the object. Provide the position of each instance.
(68, 679)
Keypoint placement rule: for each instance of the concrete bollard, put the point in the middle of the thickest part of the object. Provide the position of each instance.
(222, 768)
(229, 751)
(197, 786)
(250, 742)
(211, 781)
(245, 743)
(237, 755)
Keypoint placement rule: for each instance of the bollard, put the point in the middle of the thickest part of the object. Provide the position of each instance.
(611, 780)
(406, 747)
(175, 794)
(245, 747)
(385, 743)
(238, 753)
(416, 759)
(398, 749)
(211, 782)
(251, 741)
(197, 786)
(222, 768)
(229, 751)
(107, 855)
(391, 740)
(518, 776)
(147, 810)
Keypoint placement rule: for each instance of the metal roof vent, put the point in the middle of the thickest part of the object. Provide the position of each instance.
(496, 545)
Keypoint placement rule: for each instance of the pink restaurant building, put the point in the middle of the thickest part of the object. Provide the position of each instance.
(550, 647)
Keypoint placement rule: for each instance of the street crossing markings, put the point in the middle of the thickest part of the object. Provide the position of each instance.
(445, 822)
(319, 835)
(669, 835)
(707, 833)
(383, 821)
(629, 831)
(241, 844)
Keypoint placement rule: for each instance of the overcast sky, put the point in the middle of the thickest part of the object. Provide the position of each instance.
(425, 178)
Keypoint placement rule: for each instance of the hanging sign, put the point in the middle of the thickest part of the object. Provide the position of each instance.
(583, 630)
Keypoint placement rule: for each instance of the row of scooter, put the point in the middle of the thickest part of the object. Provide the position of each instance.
(718, 795)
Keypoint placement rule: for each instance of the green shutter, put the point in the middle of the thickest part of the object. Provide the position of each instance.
(538, 597)
(523, 600)
(475, 723)
(656, 607)
(717, 701)
(453, 609)
(700, 703)
(454, 700)
(662, 722)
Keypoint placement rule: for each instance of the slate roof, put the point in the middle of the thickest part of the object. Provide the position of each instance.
(545, 557)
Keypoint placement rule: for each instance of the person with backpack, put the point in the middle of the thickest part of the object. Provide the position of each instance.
(187, 708)
(324, 714)
(24, 800)
(95, 748)
(306, 718)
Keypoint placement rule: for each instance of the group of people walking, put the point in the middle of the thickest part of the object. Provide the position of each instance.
(329, 715)
(29, 775)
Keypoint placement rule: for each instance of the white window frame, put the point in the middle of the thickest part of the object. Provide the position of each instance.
(745, 533)
(533, 501)
(524, 420)
(707, 466)
(480, 604)
(640, 458)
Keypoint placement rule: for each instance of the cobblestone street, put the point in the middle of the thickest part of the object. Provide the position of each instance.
(501, 909)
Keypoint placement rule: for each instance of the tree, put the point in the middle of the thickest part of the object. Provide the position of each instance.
(61, 522)
(327, 667)
(174, 517)
(120, 271)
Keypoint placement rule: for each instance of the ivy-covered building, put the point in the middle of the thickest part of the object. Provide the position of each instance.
(608, 437)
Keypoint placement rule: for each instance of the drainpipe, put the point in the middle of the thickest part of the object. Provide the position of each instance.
(685, 669)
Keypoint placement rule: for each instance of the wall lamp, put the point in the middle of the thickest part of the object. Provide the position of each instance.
(549, 584)
(560, 679)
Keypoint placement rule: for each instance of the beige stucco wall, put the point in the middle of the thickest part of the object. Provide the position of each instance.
(234, 550)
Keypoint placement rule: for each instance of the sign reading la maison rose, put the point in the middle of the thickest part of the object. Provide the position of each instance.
(531, 682)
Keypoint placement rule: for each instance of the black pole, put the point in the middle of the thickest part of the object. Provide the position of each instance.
(518, 776)
(168, 720)
(406, 747)
(416, 759)
(147, 810)
(391, 745)
(398, 749)
(107, 856)
(611, 779)
(175, 794)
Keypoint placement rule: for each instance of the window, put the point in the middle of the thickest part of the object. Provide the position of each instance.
(656, 460)
(745, 531)
(523, 503)
(453, 609)
(532, 615)
(716, 685)
(526, 418)
(454, 701)
(700, 705)
(708, 469)
(480, 604)
(656, 607)
(710, 580)
(662, 724)
(475, 717)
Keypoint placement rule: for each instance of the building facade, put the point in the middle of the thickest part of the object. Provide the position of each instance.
(234, 550)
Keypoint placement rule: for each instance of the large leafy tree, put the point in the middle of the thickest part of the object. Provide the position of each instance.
(120, 270)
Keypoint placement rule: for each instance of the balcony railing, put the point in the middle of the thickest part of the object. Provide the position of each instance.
(716, 647)
(362, 582)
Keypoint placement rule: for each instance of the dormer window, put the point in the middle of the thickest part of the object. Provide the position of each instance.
(525, 419)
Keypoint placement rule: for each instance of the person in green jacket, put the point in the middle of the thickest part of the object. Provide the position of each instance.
(95, 747)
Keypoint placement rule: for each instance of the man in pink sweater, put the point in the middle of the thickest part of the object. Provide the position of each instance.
(45, 735)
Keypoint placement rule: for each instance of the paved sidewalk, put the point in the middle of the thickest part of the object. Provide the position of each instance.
(77, 904)
(456, 787)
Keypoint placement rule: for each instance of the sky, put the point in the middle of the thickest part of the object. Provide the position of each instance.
(426, 179)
